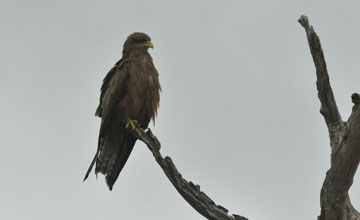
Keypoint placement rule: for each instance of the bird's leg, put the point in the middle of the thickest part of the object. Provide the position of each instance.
(132, 123)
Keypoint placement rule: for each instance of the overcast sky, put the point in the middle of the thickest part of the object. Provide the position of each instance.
(239, 113)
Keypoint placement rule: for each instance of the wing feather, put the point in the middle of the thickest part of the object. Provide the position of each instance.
(113, 83)
(112, 91)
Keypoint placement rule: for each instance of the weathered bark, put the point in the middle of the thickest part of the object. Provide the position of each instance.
(344, 140)
(189, 191)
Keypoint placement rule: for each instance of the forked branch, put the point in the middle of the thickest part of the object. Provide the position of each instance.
(344, 140)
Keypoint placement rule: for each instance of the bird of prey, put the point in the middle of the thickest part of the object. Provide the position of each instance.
(130, 96)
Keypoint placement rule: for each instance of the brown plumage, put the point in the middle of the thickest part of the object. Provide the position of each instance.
(131, 90)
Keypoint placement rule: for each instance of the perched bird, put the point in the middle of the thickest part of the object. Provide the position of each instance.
(130, 96)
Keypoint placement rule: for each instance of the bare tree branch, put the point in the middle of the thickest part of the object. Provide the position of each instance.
(328, 107)
(344, 139)
(189, 191)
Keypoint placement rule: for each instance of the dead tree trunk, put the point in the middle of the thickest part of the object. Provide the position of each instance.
(344, 140)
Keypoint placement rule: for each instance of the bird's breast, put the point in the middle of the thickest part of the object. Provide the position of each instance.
(142, 97)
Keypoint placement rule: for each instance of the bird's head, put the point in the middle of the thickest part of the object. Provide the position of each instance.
(137, 40)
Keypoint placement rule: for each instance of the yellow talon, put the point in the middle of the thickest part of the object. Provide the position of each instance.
(132, 123)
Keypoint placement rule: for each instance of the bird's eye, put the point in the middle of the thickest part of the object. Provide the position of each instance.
(140, 41)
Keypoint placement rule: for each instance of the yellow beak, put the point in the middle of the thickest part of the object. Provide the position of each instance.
(149, 44)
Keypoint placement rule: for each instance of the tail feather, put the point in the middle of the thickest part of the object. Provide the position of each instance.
(114, 149)
(120, 159)
(91, 166)
(100, 143)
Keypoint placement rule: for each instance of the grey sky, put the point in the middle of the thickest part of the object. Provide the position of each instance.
(239, 112)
